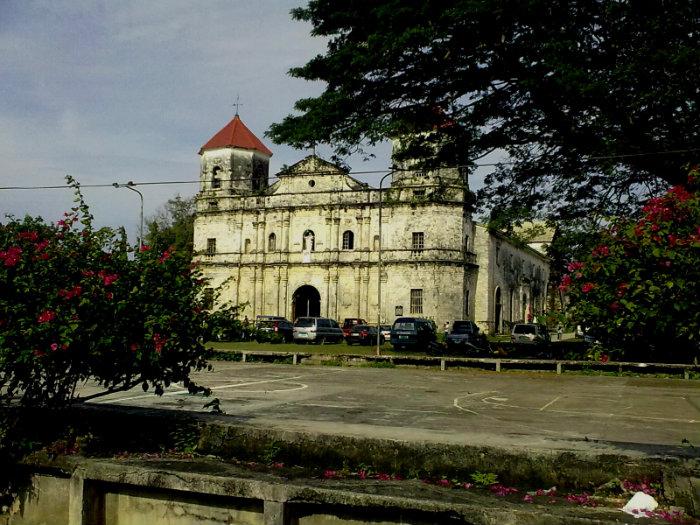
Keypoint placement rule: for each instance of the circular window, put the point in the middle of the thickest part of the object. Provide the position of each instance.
(312, 183)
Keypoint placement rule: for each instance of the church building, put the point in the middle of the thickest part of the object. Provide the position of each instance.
(312, 242)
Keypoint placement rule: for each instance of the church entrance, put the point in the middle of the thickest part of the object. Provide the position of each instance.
(306, 302)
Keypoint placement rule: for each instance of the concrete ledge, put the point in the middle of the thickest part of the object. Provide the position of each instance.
(282, 501)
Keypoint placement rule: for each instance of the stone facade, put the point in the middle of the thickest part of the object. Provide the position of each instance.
(310, 244)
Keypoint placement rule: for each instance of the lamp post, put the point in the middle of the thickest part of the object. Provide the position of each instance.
(130, 186)
(379, 267)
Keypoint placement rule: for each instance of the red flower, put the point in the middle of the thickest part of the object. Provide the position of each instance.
(604, 358)
(108, 279)
(11, 256)
(383, 476)
(362, 474)
(329, 474)
(159, 342)
(46, 316)
(565, 283)
(41, 245)
(601, 251)
(145, 247)
(133, 347)
(54, 347)
(166, 255)
(29, 236)
(622, 289)
(38, 353)
(614, 306)
(575, 265)
(587, 287)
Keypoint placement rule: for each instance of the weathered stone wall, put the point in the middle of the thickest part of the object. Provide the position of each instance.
(268, 246)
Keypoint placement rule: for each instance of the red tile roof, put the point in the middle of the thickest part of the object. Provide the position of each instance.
(235, 134)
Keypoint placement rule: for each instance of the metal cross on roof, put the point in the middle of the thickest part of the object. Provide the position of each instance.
(237, 104)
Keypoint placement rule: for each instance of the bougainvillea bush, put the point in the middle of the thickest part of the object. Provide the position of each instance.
(639, 288)
(79, 303)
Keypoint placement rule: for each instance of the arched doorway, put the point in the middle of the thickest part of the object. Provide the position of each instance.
(497, 311)
(306, 302)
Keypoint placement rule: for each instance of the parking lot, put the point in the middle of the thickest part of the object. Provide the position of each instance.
(531, 410)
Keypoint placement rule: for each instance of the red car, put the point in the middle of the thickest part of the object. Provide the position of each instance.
(349, 323)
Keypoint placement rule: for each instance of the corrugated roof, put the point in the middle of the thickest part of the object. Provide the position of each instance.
(235, 134)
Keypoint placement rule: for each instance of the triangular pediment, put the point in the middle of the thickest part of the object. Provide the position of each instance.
(313, 165)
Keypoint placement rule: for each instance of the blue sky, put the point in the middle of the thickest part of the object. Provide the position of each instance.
(129, 90)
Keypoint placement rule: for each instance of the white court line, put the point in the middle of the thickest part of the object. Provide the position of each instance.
(181, 392)
(321, 405)
(550, 403)
(594, 414)
(456, 404)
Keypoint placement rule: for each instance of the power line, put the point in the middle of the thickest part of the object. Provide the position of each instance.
(328, 172)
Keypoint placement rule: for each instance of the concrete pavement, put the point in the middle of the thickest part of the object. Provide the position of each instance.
(636, 417)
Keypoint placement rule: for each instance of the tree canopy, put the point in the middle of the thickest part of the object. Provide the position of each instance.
(594, 103)
(173, 226)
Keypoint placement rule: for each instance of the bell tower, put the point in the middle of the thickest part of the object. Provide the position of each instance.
(234, 161)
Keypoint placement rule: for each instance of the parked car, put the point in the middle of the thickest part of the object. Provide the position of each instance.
(317, 329)
(466, 337)
(385, 329)
(530, 334)
(274, 325)
(363, 334)
(349, 322)
(413, 332)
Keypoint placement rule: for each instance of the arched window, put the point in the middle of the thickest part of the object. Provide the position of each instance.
(375, 243)
(246, 246)
(348, 240)
(215, 180)
(272, 242)
(309, 242)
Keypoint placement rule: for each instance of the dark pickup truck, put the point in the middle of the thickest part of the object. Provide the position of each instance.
(465, 337)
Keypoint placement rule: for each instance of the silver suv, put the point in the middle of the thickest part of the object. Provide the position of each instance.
(530, 334)
(317, 329)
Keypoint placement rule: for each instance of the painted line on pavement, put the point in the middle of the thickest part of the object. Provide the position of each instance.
(550, 403)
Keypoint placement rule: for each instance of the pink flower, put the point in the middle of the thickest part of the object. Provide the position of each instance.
(467, 486)
(46, 316)
(587, 287)
(501, 490)
(444, 482)
(528, 499)
(278, 465)
(362, 474)
(109, 279)
(383, 476)
(54, 347)
(329, 474)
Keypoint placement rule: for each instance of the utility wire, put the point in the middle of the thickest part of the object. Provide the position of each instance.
(328, 172)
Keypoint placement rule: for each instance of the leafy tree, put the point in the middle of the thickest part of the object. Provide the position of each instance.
(173, 226)
(639, 288)
(595, 103)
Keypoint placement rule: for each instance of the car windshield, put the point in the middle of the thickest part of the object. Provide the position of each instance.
(266, 324)
(304, 322)
(525, 329)
(404, 326)
(462, 328)
(360, 327)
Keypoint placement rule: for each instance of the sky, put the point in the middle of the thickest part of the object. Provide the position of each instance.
(129, 91)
